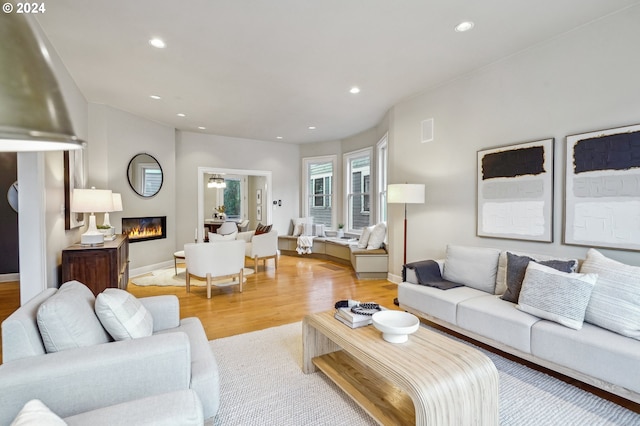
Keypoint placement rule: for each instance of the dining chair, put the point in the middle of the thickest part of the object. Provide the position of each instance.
(215, 260)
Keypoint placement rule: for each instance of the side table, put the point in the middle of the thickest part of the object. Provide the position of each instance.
(178, 255)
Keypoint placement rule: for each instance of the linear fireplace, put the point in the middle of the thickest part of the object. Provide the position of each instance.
(144, 228)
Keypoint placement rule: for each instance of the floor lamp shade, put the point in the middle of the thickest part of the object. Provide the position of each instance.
(33, 115)
(405, 193)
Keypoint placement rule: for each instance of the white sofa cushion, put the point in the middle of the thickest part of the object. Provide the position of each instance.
(592, 350)
(554, 295)
(35, 413)
(497, 319)
(67, 319)
(122, 315)
(376, 239)
(615, 300)
(474, 267)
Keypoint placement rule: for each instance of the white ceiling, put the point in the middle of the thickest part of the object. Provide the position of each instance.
(259, 69)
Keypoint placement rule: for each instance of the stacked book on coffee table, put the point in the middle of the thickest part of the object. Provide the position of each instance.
(353, 320)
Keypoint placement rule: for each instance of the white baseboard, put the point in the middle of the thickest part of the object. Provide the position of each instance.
(9, 277)
(397, 279)
(146, 269)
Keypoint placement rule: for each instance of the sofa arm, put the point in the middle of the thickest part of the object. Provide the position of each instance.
(265, 244)
(165, 311)
(83, 379)
(175, 408)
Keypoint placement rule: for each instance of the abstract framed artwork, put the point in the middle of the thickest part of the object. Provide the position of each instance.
(515, 191)
(602, 194)
(73, 178)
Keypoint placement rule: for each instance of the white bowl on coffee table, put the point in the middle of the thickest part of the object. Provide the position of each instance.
(395, 325)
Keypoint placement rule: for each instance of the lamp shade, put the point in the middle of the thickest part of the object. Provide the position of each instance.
(92, 200)
(407, 193)
(33, 116)
(117, 202)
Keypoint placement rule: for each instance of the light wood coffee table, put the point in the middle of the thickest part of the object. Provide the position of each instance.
(429, 380)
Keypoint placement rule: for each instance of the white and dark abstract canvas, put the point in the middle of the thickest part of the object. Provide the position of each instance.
(603, 189)
(515, 191)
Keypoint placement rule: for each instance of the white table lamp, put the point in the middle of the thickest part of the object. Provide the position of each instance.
(407, 193)
(91, 201)
(117, 207)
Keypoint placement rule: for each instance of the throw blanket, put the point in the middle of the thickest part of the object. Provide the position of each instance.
(428, 273)
(305, 243)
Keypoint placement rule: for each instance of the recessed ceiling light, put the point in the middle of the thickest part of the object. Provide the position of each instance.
(312, 127)
(156, 97)
(278, 137)
(464, 26)
(354, 90)
(157, 42)
(181, 114)
(202, 128)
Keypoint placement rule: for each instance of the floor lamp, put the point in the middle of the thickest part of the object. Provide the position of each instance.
(407, 193)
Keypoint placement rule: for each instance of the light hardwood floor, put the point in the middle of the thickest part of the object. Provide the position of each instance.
(270, 298)
(299, 286)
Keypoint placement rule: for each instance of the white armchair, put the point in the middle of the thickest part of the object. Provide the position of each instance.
(218, 260)
(260, 247)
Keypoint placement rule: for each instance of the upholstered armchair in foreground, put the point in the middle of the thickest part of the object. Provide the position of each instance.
(58, 348)
(260, 247)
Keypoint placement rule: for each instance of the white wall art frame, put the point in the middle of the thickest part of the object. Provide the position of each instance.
(602, 202)
(515, 191)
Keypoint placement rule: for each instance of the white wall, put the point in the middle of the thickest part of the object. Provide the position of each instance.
(585, 80)
(115, 137)
(195, 150)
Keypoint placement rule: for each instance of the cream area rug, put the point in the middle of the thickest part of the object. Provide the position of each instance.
(262, 383)
(167, 277)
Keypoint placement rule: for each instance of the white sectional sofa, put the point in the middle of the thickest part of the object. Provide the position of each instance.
(600, 348)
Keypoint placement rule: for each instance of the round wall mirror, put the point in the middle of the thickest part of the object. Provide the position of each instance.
(145, 175)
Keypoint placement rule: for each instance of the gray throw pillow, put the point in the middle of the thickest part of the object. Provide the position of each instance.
(517, 267)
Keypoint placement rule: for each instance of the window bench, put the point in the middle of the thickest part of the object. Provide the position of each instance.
(365, 263)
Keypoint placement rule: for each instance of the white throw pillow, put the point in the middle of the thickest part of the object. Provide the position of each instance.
(122, 315)
(220, 237)
(558, 296)
(67, 320)
(35, 413)
(615, 301)
(474, 267)
(299, 224)
(378, 233)
(363, 242)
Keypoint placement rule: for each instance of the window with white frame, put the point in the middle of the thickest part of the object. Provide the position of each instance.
(318, 189)
(383, 159)
(358, 189)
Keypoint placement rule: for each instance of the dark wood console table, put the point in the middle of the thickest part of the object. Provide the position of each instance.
(98, 267)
